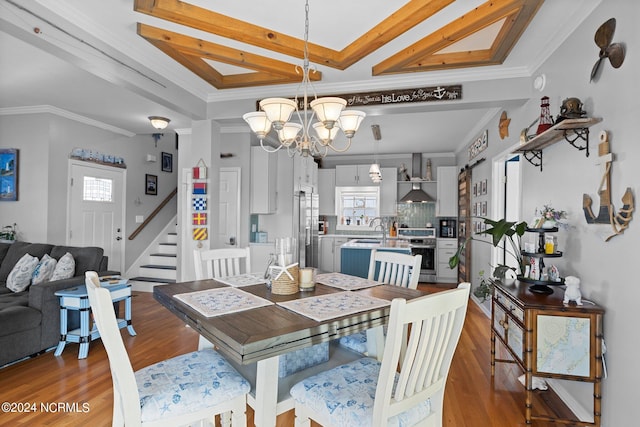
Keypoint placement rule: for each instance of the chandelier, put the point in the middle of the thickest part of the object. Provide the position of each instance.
(295, 136)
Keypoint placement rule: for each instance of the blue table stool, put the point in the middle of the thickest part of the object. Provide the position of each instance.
(76, 298)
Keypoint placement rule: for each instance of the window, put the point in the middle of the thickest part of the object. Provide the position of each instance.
(97, 189)
(356, 206)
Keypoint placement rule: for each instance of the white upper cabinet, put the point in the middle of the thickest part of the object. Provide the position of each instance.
(264, 183)
(305, 173)
(447, 189)
(351, 175)
(327, 191)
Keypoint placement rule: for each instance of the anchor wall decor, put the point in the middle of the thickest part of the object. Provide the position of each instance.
(606, 212)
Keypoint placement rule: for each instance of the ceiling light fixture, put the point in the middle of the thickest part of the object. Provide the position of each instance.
(374, 171)
(276, 113)
(158, 122)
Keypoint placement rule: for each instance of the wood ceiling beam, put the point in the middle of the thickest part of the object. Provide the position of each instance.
(191, 52)
(408, 16)
(423, 56)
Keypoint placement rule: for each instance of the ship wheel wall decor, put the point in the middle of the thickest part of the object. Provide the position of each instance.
(619, 221)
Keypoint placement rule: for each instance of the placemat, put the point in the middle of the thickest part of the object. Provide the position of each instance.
(216, 302)
(240, 280)
(330, 306)
(345, 281)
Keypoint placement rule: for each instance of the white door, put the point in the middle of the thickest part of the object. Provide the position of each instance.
(96, 209)
(229, 208)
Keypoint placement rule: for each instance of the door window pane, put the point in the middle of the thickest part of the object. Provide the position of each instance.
(97, 189)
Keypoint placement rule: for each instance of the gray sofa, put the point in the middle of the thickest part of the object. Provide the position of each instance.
(30, 320)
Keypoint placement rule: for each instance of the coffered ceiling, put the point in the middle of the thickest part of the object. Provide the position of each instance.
(117, 62)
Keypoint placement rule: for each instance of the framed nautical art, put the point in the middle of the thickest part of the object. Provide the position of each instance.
(151, 184)
(8, 174)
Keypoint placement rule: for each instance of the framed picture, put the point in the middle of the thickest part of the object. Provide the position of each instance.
(475, 189)
(8, 174)
(484, 186)
(167, 162)
(151, 184)
(484, 209)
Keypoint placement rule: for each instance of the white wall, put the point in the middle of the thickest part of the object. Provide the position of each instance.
(45, 142)
(607, 269)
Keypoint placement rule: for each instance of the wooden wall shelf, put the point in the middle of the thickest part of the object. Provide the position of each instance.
(574, 131)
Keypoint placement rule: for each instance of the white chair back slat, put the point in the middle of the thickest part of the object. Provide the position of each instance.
(395, 268)
(214, 263)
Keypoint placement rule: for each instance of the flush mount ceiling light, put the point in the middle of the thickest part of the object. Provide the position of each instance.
(276, 112)
(158, 122)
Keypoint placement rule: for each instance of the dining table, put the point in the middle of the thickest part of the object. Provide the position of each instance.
(253, 337)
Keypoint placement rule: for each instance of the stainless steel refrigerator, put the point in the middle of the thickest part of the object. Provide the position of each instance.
(305, 215)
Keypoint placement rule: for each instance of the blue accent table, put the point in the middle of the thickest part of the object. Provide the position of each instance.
(76, 298)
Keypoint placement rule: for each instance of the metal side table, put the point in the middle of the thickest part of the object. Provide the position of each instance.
(76, 298)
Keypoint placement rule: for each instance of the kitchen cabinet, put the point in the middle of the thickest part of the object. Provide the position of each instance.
(329, 260)
(305, 173)
(445, 249)
(389, 192)
(260, 255)
(264, 167)
(548, 339)
(352, 175)
(447, 192)
(327, 191)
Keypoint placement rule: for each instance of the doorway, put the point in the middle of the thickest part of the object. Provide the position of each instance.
(95, 209)
(229, 209)
(507, 202)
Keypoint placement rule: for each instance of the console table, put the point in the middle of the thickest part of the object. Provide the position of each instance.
(548, 339)
(76, 298)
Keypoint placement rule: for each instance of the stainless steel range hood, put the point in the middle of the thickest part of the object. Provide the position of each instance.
(416, 195)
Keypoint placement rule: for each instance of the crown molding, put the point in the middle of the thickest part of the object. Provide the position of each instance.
(48, 109)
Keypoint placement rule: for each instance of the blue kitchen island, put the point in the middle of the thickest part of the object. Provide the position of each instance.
(355, 255)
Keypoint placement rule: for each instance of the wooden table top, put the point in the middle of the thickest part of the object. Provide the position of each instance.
(260, 333)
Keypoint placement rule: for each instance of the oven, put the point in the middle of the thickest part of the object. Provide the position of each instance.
(422, 242)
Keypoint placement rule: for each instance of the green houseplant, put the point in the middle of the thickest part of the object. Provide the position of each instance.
(510, 231)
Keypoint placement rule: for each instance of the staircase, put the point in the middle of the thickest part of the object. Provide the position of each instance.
(161, 267)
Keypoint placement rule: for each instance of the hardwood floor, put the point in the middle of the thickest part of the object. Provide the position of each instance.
(64, 391)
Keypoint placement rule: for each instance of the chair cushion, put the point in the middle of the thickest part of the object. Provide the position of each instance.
(356, 342)
(345, 395)
(65, 268)
(187, 383)
(19, 278)
(44, 270)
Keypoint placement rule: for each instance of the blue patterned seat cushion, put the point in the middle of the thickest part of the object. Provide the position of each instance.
(345, 395)
(356, 342)
(186, 384)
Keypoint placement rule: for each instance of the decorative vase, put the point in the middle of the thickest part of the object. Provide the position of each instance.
(549, 224)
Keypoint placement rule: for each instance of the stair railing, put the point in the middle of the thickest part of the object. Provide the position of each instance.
(153, 214)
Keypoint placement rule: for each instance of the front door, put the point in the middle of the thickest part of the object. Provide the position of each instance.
(229, 208)
(96, 209)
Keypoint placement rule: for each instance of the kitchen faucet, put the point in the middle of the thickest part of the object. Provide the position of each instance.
(383, 226)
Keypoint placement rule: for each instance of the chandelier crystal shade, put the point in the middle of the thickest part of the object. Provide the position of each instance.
(330, 112)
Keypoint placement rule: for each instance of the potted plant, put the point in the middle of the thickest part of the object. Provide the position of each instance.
(511, 231)
(8, 234)
(548, 217)
(484, 290)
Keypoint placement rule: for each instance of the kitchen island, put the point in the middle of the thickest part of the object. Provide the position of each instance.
(356, 254)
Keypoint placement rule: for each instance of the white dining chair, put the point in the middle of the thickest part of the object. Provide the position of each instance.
(193, 387)
(393, 268)
(214, 263)
(399, 390)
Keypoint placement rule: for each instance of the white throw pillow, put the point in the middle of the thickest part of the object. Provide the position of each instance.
(44, 270)
(19, 278)
(65, 269)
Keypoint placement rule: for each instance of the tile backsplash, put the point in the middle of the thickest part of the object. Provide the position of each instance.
(416, 215)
